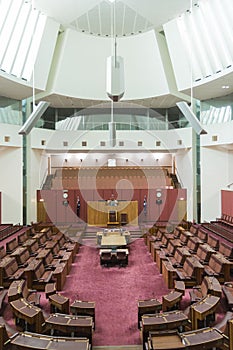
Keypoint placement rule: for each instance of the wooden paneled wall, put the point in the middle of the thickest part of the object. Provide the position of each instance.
(52, 207)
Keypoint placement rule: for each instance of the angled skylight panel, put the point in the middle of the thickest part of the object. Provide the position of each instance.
(34, 47)
(25, 44)
(215, 28)
(214, 56)
(8, 27)
(224, 11)
(183, 25)
(4, 9)
(199, 43)
(16, 37)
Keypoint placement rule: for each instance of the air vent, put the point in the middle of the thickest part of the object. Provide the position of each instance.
(215, 138)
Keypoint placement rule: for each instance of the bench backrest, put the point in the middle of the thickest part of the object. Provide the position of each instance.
(11, 245)
(226, 249)
(213, 242)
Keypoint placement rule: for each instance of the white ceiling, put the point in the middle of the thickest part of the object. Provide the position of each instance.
(132, 16)
(96, 16)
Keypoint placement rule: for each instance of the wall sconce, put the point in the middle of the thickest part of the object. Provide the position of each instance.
(66, 160)
(142, 160)
(126, 160)
(81, 160)
(96, 160)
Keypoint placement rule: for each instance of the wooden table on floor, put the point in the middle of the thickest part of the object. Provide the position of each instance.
(76, 326)
(171, 300)
(34, 341)
(206, 338)
(113, 241)
(59, 302)
(31, 314)
(162, 321)
(203, 308)
(85, 308)
(149, 306)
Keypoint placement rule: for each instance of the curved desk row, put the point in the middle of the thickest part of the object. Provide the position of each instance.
(206, 338)
(33, 318)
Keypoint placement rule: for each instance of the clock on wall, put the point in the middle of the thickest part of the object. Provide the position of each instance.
(65, 195)
(158, 194)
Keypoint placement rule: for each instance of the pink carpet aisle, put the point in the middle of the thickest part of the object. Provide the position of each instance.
(116, 291)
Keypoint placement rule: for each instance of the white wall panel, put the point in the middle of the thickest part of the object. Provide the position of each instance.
(144, 73)
(11, 184)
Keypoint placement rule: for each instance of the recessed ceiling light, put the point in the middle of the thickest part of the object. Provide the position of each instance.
(225, 87)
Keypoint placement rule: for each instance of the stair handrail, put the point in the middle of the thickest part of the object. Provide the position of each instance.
(44, 177)
(178, 177)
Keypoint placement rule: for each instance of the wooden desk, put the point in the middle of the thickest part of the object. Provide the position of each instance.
(203, 308)
(29, 313)
(112, 232)
(34, 341)
(171, 300)
(60, 303)
(162, 321)
(76, 326)
(85, 308)
(97, 212)
(169, 273)
(206, 338)
(113, 241)
(148, 307)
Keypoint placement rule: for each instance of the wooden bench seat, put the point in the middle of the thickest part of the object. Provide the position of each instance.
(11, 245)
(204, 253)
(226, 250)
(18, 289)
(219, 267)
(191, 272)
(9, 271)
(38, 276)
(228, 292)
(209, 285)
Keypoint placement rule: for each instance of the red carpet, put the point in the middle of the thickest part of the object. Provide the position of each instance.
(115, 291)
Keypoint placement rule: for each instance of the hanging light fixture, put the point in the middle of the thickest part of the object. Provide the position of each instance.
(115, 86)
